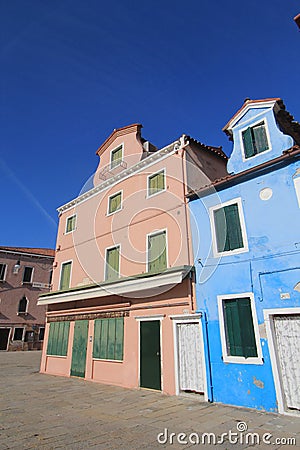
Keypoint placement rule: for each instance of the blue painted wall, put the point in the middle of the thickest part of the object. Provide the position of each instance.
(270, 268)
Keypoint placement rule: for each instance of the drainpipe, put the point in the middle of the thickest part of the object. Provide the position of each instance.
(209, 382)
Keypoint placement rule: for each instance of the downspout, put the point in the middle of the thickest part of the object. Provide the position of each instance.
(209, 383)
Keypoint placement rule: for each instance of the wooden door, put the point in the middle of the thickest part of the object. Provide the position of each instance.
(79, 348)
(150, 362)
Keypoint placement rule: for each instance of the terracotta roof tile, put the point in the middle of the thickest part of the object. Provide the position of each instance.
(33, 251)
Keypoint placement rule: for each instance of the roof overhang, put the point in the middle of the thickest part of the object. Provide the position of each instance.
(143, 284)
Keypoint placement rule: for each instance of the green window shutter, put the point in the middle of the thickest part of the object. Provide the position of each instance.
(234, 237)
(221, 230)
(119, 338)
(114, 203)
(112, 264)
(248, 143)
(65, 276)
(71, 224)
(156, 183)
(116, 157)
(108, 338)
(247, 328)
(260, 138)
(240, 336)
(104, 339)
(58, 338)
(157, 252)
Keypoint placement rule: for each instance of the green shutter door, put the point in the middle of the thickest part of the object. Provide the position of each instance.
(234, 237)
(248, 143)
(79, 348)
(150, 365)
(58, 338)
(157, 253)
(112, 264)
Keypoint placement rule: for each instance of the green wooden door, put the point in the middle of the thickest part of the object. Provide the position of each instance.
(150, 365)
(79, 348)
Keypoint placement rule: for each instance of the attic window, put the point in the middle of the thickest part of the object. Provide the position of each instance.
(116, 157)
(255, 140)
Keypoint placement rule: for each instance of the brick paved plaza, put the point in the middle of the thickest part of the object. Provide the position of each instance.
(48, 412)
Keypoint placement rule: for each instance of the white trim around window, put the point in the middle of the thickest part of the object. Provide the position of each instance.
(105, 262)
(4, 273)
(239, 359)
(154, 233)
(31, 278)
(111, 153)
(251, 125)
(153, 175)
(23, 332)
(61, 265)
(69, 218)
(243, 249)
(108, 203)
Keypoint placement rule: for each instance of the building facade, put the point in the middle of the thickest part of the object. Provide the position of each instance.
(247, 252)
(24, 274)
(122, 309)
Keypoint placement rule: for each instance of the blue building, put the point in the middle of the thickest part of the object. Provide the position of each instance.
(246, 240)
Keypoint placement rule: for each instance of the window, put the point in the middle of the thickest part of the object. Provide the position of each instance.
(116, 157)
(41, 333)
(239, 329)
(58, 338)
(18, 334)
(2, 271)
(70, 224)
(115, 203)
(23, 305)
(108, 338)
(65, 275)
(229, 232)
(112, 270)
(156, 183)
(255, 140)
(27, 275)
(157, 252)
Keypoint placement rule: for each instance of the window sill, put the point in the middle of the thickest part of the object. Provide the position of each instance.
(242, 360)
(109, 360)
(155, 193)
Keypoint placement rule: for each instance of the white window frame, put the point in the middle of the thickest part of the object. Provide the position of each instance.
(153, 233)
(31, 278)
(153, 175)
(108, 202)
(245, 247)
(40, 328)
(70, 217)
(9, 335)
(5, 272)
(61, 265)
(105, 262)
(19, 340)
(111, 153)
(251, 125)
(239, 359)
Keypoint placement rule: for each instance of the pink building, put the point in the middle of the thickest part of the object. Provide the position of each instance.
(122, 309)
(25, 273)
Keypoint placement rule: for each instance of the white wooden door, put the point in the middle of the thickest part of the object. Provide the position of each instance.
(287, 336)
(190, 356)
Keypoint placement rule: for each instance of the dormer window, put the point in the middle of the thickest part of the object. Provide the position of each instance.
(255, 140)
(116, 157)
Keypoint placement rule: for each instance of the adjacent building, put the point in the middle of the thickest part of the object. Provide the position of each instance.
(122, 308)
(24, 274)
(247, 256)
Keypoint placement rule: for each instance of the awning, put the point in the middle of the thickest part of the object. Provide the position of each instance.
(144, 284)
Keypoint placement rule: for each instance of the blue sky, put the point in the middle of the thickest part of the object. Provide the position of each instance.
(72, 71)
